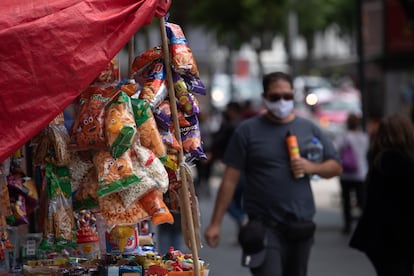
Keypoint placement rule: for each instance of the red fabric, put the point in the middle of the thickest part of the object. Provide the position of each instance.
(51, 50)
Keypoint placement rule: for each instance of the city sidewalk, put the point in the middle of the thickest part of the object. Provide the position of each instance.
(331, 255)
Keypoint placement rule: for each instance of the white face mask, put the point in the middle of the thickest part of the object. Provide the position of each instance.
(280, 109)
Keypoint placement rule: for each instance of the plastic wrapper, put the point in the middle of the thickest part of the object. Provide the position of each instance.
(123, 239)
(151, 172)
(58, 180)
(51, 146)
(145, 58)
(153, 167)
(170, 141)
(115, 213)
(23, 195)
(110, 73)
(114, 174)
(156, 208)
(120, 125)
(182, 58)
(86, 196)
(88, 130)
(18, 207)
(61, 211)
(194, 84)
(162, 115)
(130, 87)
(186, 101)
(191, 139)
(78, 169)
(154, 88)
(149, 135)
(135, 191)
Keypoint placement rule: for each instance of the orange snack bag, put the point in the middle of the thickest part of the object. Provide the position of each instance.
(114, 174)
(120, 125)
(149, 135)
(154, 205)
(87, 131)
(146, 58)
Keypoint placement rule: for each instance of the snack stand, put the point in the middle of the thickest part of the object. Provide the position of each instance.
(120, 171)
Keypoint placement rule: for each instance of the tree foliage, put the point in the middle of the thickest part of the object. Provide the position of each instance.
(235, 22)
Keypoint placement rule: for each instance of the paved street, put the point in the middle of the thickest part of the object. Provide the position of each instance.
(330, 256)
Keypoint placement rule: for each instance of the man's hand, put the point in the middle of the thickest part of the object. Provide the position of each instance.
(212, 235)
(325, 169)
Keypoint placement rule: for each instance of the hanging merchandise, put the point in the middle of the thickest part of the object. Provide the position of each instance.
(118, 161)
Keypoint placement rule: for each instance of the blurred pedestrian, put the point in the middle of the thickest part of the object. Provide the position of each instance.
(247, 110)
(203, 166)
(385, 230)
(356, 143)
(278, 238)
(232, 116)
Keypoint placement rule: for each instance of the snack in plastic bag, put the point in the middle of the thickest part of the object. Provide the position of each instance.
(162, 115)
(120, 125)
(145, 58)
(87, 131)
(149, 135)
(86, 196)
(156, 208)
(194, 84)
(152, 166)
(110, 73)
(191, 139)
(114, 212)
(182, 58)
(154, 88)
(185, 100)
(114, 174)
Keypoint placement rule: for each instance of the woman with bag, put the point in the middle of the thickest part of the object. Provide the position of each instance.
(353, 148)
(385, 231)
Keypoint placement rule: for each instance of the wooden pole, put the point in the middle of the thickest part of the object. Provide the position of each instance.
(184, 184)
(131, 54)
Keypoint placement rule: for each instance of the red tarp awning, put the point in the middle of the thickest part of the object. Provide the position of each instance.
(51, 50)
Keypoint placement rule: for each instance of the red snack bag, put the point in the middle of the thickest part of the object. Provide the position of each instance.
(145, 58)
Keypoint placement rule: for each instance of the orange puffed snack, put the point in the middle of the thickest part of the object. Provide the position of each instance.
(153, 203)
(149, 134)
(115, 213)
(120, 128)
(114, 174)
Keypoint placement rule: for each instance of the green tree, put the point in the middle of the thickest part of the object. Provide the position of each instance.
(235, 22)
(257, 22)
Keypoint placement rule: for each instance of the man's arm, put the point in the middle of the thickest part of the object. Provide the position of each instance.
(225, 193)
